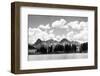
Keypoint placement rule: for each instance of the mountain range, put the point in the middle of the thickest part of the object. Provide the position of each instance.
(50, 42)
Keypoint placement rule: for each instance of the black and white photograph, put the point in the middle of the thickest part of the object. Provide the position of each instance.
(53, 37)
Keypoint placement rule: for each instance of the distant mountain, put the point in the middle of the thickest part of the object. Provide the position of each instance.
(50, 42)
(39, 41)
(65, 41)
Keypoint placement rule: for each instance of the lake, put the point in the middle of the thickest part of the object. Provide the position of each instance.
(58, 56)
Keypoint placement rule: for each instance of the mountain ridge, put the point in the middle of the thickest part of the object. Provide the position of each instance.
(49, 42)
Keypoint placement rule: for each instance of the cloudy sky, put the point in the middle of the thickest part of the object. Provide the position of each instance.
(57, 28)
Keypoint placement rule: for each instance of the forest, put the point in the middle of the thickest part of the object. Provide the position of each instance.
(53, 47)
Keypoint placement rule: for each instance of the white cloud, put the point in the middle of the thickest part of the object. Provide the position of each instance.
(51, 31)
(44, 26)
(74, 25)
(84, 25)
(35, 33)
(59, 38)
(72, 34)
(51, 36)
(82, 35)
(78, 25)
(60, 24)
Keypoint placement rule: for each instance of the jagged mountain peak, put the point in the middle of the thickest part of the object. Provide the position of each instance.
(54, 42)
(64, 40)
(38, 42)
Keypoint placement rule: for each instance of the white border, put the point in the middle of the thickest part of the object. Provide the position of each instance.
(25, 64)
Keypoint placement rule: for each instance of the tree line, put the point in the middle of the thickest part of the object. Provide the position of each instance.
(59, 48)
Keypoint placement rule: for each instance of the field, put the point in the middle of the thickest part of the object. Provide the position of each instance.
(58, 56)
